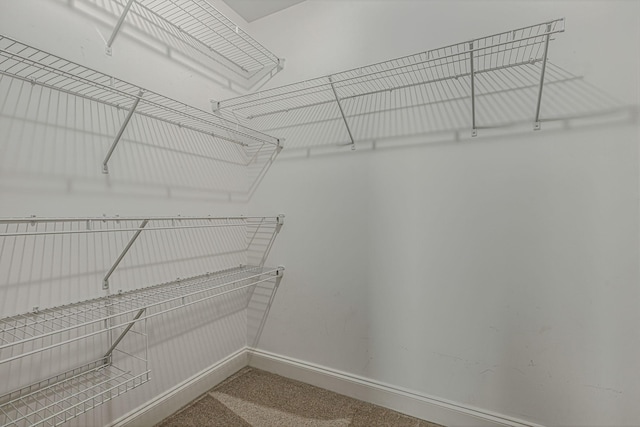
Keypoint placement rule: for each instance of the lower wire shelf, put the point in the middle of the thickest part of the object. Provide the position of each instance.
(62, 397)
(117, 322)
(92, 317)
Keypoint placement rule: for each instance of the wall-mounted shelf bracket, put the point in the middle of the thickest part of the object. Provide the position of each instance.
(105, 166)
(114, 33)
(536, 125)
(344, 118)
(105, 281)
(107, 355)
(474, 131)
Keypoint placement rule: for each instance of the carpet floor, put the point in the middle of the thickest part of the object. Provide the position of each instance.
(253, 397)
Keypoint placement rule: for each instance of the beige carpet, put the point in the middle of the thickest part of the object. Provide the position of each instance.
(256, 398)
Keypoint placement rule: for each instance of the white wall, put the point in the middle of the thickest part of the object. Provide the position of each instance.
(500, 273)
(51, 150)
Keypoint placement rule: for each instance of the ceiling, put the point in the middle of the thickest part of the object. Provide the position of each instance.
(252, 10)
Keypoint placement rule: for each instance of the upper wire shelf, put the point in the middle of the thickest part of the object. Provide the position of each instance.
(379, 91)
(203, 28)
(30, 64)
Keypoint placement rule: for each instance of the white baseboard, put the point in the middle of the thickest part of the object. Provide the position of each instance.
(172, 400)
(441, 411)
(447, 413)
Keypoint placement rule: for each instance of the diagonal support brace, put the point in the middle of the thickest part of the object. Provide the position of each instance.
(536, 125)
(105, 167)
(344, 118)
(115, 31)
(105, 281)
(107, 355)
(474, 130)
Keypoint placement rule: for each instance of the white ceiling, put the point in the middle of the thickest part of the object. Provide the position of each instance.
(251, 10)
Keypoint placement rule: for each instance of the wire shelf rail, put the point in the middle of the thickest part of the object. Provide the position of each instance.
(203, 29)
(26, 63)
(448, 74)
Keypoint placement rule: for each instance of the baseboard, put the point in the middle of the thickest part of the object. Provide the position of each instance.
(447, 413)
(172, 400)
(408, 402)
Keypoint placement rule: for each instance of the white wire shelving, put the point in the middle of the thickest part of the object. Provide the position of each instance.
(199, 28)
(57, 399)
(26, 63)
(446, 87)
(120, 309)
(112, 320)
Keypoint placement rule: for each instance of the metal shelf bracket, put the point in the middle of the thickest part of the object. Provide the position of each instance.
(344, 118)
(114, 33)
(105, 281)
(105, 166)
(536, 125)
(474, 131)
(107, 355)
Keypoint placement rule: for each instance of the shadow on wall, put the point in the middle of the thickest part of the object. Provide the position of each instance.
(194, 34)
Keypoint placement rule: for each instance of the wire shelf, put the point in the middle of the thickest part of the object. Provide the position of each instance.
(206, 30)
(54, 401)
(20, 61)
(348, 106)
(94, 316)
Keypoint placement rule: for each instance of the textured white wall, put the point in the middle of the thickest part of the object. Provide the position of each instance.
(501, 272)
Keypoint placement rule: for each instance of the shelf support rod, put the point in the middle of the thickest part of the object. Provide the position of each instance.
(105, 281)
(344, 118)
(107, 355)
(105, 167)
(474, 131)
(536, 125)
(117, 27)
